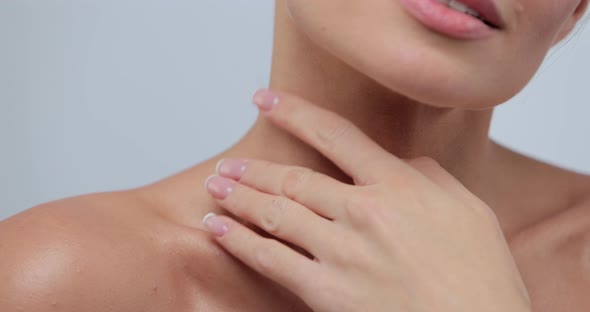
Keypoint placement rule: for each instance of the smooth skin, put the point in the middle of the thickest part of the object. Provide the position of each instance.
(145, 249)
(407, 236)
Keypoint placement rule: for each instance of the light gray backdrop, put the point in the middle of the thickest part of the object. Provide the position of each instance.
(111, 94)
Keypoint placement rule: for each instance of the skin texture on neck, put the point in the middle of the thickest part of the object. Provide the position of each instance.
(456, 138)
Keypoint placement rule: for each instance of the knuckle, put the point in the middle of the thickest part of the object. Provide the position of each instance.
(424, 163)
(265, 166)
(263, 259)
(362, 207)
(341, 257)
(486, 212)
(355, 256)
(481, 212)
(334, 129)
(491, 221)
(272, 216)
(294, 181)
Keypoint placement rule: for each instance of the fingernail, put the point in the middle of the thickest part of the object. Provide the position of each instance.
(215, 224)
(219, 187)
(231, 168)
(265, 99)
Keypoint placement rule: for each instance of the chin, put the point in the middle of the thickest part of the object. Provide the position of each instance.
(442, 75)
(438, 71)
(380, 40)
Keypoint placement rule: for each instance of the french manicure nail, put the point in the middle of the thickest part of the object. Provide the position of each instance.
(215, 224)
(219, 186)
(231, 168)
(265, 99)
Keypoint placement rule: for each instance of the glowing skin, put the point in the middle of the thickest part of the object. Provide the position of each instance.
(411, 90)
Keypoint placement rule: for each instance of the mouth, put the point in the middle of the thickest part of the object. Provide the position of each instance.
(482, 10)
(464, 19)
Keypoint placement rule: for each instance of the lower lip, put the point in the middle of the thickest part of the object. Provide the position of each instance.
(444, 20)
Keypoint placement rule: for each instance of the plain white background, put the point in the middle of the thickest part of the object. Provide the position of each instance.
(113, 94)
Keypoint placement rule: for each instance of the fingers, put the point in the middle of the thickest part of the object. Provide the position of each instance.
(276, 215)
(316, 191)
(330, 134)
(265, 255)
(442, 178)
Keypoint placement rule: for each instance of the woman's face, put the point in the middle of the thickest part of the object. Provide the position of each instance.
(382, 39)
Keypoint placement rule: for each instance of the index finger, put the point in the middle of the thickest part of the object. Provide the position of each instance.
(337, 138)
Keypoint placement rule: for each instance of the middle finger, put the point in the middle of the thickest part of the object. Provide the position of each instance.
(276, 215)
(318, 192)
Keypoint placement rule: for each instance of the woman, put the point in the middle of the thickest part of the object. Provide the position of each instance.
(489, 229)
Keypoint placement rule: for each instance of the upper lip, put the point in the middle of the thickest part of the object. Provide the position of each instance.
(488, 11)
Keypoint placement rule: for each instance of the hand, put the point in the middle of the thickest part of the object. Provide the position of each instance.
(406, 237)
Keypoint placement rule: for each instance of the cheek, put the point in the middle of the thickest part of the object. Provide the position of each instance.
(539, 25)
(323, 19)
(541, 21)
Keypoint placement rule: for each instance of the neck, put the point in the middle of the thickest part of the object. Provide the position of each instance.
(457, 139)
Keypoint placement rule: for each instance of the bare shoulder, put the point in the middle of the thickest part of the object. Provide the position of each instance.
(567, 226)
(553, 251)
(116, 252)
(555, 261)
(569, 258)
(576, 238)
(99, 252)
(541, 190)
